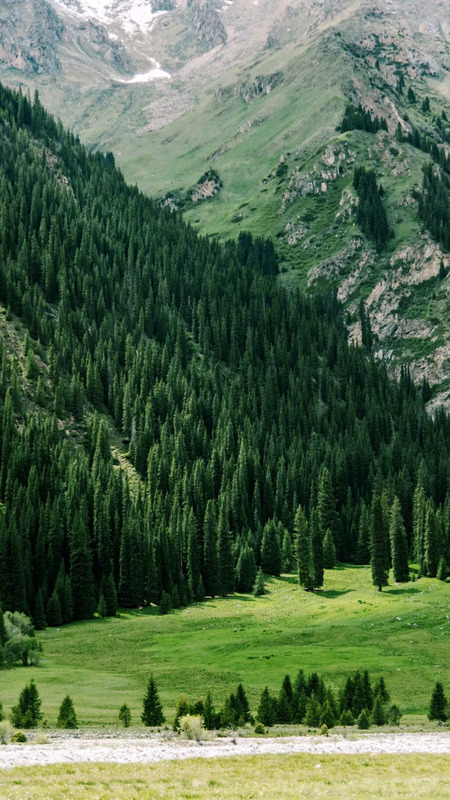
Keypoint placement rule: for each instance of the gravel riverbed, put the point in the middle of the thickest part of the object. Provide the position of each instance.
(142, 750)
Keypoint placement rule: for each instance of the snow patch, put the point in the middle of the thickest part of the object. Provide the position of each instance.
(146, 77)
(133, 16)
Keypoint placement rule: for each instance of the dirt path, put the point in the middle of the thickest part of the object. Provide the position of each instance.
(124, 750)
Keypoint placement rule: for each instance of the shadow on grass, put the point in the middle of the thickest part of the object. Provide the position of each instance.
(332, 593)
(289, 579)
(405, 590)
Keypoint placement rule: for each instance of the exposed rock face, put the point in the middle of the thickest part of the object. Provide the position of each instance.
(29, 43)
(204, 17)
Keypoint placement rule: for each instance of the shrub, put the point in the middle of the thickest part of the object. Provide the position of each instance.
(324, 730)
(125, 715)
(6, 731)
(20, 737)
(41, 738)
(259, 728)
(192, 727)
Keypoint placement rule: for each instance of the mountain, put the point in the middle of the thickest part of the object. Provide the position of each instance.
(231, 111)
(167, 405)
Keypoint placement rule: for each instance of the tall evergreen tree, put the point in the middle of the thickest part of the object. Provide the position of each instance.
(304, 550)
(152, 712)
(377, 546)
(399, 547)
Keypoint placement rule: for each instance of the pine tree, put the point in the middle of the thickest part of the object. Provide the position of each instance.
(209, 714)
(259, 588)
(67, 717)
(378, 716)
(53, 611)
(39, 621)
(265, 713)
(377, 546)
(304, 551)
(152, 712)
(432, 554)
(245, 570)
(210, 559)
(27, 713)
(399, 547)
(363, 547)
(326, 504)
(101, 610)
(327, 716)
(317, 550)
(442, 569)
(363, 720)
(329, 551)
(224, 552)
(438, 704)
(271, 561)
(313, 711)
(287, 556)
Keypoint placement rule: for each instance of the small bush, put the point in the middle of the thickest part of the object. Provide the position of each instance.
(259, 728)
(20, 737)
(125, 715)
(324, 730)
(6, 731)
(192, 727)
(41, 738)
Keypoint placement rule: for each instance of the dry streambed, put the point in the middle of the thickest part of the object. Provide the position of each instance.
(127, 750)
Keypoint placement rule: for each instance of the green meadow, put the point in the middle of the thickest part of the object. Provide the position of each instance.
(402, 633)
(298, 776)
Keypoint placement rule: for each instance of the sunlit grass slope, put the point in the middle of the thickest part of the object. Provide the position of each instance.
(402, 633)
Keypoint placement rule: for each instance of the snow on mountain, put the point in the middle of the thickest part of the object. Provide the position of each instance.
(133, 16)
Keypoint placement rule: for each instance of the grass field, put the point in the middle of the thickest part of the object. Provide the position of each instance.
(402, 633)
(298, 776)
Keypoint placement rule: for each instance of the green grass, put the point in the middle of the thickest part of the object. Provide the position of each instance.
(296, 777)
(402, 633)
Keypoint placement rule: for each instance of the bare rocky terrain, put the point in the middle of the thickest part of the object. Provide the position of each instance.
(149, 749)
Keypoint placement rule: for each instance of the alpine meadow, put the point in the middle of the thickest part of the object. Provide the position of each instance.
(224, 488)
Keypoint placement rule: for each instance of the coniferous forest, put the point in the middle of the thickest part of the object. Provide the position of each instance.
(236, 400)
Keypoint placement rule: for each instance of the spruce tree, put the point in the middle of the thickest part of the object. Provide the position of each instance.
(377, 546)
(438, 704)
(152, 712)
(287, 556)
(210, 559)
(399, 547)
(432, 554)
(304, 550)
(66, 716)
(271, 560)
(209, 714)
(329, 551)
(39, 621)
(378, 716)
(317, 549)
(224, 552)
(259, 589)
(245, 570)
(265, 713)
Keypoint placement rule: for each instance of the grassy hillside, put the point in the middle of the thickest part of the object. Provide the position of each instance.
(401, 633)
(288, 777)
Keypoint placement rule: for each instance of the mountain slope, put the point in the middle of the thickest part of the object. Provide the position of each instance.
(253, 94)
(237, 401)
